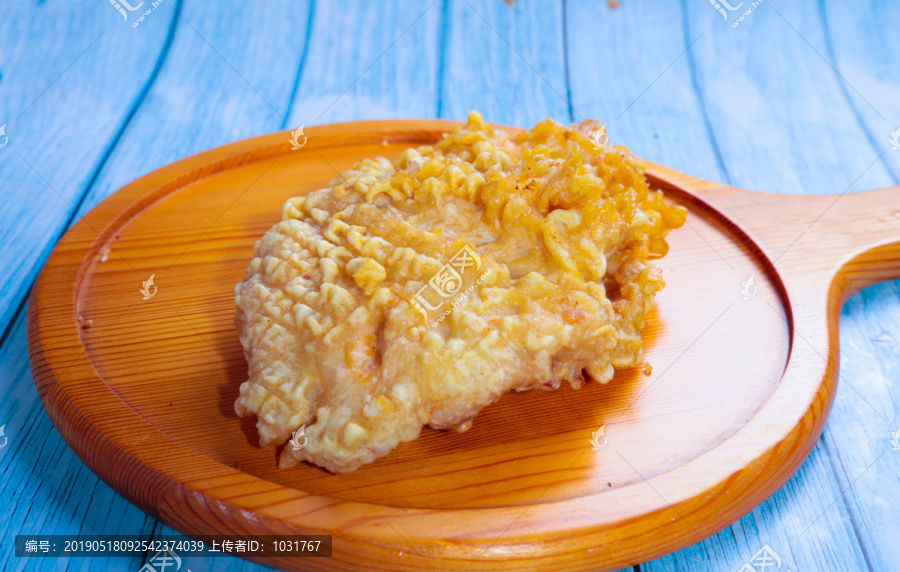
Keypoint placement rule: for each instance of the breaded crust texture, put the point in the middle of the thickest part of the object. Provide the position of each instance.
(417, 293)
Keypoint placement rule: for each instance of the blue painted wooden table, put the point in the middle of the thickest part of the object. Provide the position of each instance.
(774, 95)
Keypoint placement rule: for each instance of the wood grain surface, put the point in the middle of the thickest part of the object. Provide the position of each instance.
(670, 80)
(744, 375)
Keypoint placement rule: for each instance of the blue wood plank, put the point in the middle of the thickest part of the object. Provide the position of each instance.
(643, 91)
(506, 61)
(650, 101)
(764, 105)
(863, 48)
(777, 111)
(46, 487)
(386, 67)
(64, 99)
(219, 83)
(863, 419)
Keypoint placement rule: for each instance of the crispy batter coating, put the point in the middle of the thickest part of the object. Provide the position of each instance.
(418, 293)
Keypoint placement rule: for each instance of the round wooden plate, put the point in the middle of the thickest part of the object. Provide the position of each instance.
(743, 348)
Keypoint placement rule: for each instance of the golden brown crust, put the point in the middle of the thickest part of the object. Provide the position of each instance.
(418, 293)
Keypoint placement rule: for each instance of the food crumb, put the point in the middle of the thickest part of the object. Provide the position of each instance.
(384, 142)
(609, 485)
(87, 324)
(464, 426)
(613, 4)
(104, 253)
(648, 369)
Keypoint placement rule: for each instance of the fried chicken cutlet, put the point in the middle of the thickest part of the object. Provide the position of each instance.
(417, 293)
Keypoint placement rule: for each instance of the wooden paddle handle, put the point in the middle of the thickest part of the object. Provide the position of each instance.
(852, 237)
(848, 241)
(863, 229)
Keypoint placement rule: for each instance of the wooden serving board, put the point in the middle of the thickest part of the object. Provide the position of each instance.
(742, 379)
